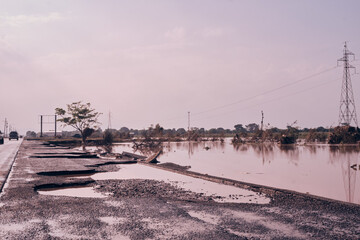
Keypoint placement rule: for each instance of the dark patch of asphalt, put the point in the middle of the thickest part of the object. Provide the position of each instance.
(149, 209)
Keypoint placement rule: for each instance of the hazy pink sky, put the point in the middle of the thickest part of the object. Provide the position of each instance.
(151, 62)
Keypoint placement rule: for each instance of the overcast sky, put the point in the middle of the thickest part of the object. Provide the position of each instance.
(151, 62)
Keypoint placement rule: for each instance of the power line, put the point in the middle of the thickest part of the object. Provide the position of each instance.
(267, 92)
(257, 95)
(269, 101)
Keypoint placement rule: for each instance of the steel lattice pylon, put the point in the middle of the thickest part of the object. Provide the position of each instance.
(347, 112)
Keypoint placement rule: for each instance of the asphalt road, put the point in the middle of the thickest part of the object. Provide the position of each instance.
(8, 152)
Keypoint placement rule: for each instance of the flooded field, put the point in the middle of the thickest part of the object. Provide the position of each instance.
(321, 170)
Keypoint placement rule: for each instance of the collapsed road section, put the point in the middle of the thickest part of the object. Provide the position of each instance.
(96, 198)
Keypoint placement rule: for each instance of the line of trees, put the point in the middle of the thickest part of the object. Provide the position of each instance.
(243, 130)
(83, 119)
(241, 133)
(157, 130)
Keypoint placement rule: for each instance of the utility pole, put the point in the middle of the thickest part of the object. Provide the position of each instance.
(262, 120)
(5, 123)
(347, 112)
(188, 121)
(55, 123)
(109, 120)
(5, 127)
(41, 125)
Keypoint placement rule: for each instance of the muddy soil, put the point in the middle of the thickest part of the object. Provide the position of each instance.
(149, 209)
(139, 188)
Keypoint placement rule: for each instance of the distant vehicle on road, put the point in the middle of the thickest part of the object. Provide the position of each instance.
(1, 138)
(13, 135)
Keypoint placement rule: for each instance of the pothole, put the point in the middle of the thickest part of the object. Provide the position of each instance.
(61, 155)
(82, 190)
(73, 173)
(112, 163)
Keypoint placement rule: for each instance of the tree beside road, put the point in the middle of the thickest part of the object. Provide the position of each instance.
(81, 117)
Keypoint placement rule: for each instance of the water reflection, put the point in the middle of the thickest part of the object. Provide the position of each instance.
(349, 159)
(193, 147)
(241, 147)
(264, 151)
(292, 153)
(312, 149)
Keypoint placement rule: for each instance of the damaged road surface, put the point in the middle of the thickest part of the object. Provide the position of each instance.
(67, 198)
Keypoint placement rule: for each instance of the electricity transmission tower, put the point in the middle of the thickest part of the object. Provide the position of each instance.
(347, 113)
